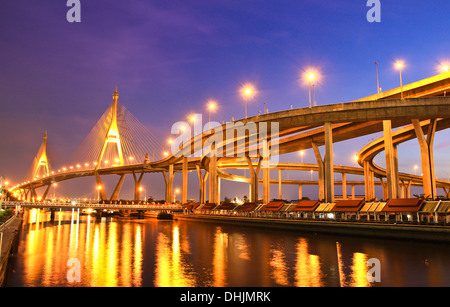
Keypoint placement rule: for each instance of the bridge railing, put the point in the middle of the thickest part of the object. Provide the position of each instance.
(92, 206)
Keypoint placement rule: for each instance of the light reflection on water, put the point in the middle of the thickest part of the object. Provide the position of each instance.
(127, 252)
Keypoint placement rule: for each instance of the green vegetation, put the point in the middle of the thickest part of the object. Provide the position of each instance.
(5, 215)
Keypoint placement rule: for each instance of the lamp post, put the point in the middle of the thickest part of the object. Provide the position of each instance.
(247, 92)
(211, 107)
(399, 67)
(145, 193)
(378, 83)
(310, 78)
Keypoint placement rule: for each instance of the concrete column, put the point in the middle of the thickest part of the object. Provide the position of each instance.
(137, 185)
(280, 196)
(115, 194)
(321, 172)
(213, 178)
(369, 183)
(329, 167)
(170, 185)
(266, 172)
(184, 187)
(202, 179)
(254, 175)
(102, 189)
(300, 192)
(392, 186)
(353, 192)
(427, 155)
(344, 185)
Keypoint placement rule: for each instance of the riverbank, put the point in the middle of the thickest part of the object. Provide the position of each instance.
(378, 230)
(9, 230)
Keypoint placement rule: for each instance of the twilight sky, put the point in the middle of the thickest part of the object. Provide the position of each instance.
(169, 57)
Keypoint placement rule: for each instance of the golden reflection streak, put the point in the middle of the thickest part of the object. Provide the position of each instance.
(170, 270)
(308, 272)
(278, 265)
(220, 257)
(359, 271)
(342, 278)
(125, 256)
(137, 279)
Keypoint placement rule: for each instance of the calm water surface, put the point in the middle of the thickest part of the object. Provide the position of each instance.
(149, 252)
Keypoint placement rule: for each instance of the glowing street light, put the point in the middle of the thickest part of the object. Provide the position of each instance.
(247, 91)
(415, 169)
(399, 66)
(99, 187)
(302, 152)
(445, 68)
(310, 79)
(211, 107)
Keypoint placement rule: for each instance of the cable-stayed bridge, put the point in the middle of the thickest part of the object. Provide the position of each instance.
(119, 144)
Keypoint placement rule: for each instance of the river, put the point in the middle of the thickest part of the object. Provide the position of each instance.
(79, 250)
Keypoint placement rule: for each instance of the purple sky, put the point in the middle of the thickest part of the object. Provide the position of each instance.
(169, 57)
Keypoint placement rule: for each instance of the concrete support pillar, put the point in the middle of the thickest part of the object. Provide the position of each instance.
(321, 172)
(266, 172)
(280, 196)
(202, 184)
(137, 185)
(392, 183)
(300, 192)
(169, 184)
(115, 194)
(329, 167)
(184, 188)
(100, 187)
(353, 192)
(427, 155)
(344, 185)
(44, 196)
(369, 183)
(213, 177)
(254, 173)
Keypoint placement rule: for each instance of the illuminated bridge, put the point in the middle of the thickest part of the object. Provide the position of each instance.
(120, 145)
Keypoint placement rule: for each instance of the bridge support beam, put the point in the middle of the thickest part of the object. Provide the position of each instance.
(213, 177)
(280, 196)
(44, 196)
(321, 172)
(344, 185)
(266, 172)
(100, 187)
(169, 184)
(391, 175)
(254, 175)
(115, 194)
(329, 167)
(427, 155)
(369, 182)
(184, 188)
(202, 180)
(137, 185)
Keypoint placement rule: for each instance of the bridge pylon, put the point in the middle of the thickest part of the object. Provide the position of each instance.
(112, 136)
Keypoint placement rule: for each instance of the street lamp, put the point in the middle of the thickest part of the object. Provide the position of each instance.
(211, 107)
(445, 68)
(415, 169)
(175, 195)
(399, 67)
(310, 79)
(247, 92)
(145, 193)
(301, 155)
